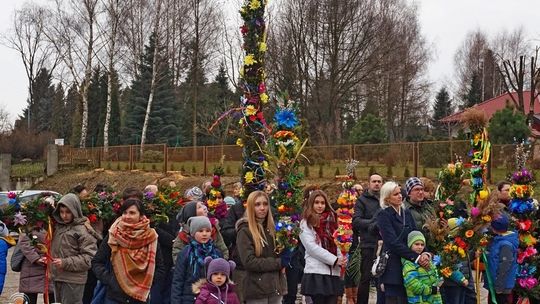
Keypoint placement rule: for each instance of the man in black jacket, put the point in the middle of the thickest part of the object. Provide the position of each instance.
(364, 226)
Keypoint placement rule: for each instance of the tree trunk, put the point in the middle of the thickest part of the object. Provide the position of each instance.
(87, 73)
(154, 79)
(114, 16)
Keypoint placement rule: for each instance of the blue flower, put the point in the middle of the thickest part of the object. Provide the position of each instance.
(460, 220)
(437, 260)
(286, 118)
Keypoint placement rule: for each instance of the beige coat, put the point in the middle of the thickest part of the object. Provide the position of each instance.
(32, 277)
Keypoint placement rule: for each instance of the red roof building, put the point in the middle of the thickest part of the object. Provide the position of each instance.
(490, 106)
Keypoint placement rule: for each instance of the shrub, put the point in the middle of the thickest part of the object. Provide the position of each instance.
(389, 172)
(154, 167)
(406, 173)
(151, 156)
(194, 169)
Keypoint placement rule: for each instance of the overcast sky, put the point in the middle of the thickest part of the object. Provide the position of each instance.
(444, 23)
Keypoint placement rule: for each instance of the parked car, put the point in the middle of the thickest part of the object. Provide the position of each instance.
(25, 195)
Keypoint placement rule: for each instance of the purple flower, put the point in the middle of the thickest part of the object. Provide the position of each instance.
(149, 195)
(19, 219)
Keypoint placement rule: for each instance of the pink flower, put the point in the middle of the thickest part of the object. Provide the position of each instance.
(19, 219)
(528, 283)
(475, 212)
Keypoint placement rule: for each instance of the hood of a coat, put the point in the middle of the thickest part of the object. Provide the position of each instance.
(72, 202)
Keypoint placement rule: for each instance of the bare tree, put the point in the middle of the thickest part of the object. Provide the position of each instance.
(27, 37)
(71, 33)
(155, 71)
(115, 13)
(5, 121)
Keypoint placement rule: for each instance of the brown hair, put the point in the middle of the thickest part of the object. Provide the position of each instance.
(309, 214)
(256, 229)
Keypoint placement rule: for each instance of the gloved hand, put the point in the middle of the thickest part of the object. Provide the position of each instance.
(285, 257)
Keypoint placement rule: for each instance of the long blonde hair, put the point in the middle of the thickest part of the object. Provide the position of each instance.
(256, 229)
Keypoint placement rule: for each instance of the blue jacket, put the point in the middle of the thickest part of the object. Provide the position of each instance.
(4, 246)
(502, 261)
(183, 278)
(391, 225)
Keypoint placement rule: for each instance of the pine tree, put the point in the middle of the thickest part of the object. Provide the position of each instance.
(37, 115)
(162, 127)
(441, 109)
(97, 97)
(73, 116)
(58, 112)
(474, 94)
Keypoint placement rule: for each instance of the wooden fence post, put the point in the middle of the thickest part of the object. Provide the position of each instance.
(165, 158)
(416, 154)
(130, 157)
(205, 161)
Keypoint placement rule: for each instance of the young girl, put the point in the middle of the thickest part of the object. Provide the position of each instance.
(256, 241)
(190, 265)
(421, 285)
(217, 287)
(321, 279)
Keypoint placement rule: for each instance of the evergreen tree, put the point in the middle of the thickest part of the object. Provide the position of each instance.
(441, 109)
(73, 116)
(507, 126)
(162, 127)
(58, 118)
(37, 115)
(474, 94)
(97, 99)
(369, 130)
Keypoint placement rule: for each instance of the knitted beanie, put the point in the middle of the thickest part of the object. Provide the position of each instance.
(218, 265)
(4, 231)
(229, 200)
(500, 223)
(411, 183)
(196, 223)
(415, 236)
(189, 210)
(194, 194)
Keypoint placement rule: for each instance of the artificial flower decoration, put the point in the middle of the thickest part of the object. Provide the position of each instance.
(248, 177)
(250, 60)
(264, 98)
(286, 118)
(255, 4)
(240, 142)
(250, 110)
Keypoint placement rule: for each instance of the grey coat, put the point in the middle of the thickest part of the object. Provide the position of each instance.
(32, 277)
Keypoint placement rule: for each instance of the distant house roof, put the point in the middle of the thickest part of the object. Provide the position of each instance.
(490, 106)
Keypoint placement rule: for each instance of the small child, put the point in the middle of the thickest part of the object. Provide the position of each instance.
(422, 285)
(502, 260)
(74, 244)
(190, 264)
(217, 288)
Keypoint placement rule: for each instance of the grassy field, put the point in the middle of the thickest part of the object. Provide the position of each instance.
(34, 169)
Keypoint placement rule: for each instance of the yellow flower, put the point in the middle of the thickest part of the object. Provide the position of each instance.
(483, 194)
(241, 71)
(461, 252)
(249, 177)
(240, 142)
(265, 165)
(162, 198)
(446, 272)
(255, 4)
(249, 60)
(262, 47)
(250, 110)
(241, 121)
(486, 218)
(264, 98)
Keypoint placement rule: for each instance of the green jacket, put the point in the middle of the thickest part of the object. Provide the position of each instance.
(419, 283)
(420, 213)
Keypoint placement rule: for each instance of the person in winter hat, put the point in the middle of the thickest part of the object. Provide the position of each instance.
(422, 285)
(190, 263)
(216, 288)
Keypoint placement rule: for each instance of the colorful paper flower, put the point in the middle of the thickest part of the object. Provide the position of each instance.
(249, 60)
(286, 118)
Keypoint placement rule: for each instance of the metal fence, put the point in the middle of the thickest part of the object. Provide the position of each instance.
(397, 160)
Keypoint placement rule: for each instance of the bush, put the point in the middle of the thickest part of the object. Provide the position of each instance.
(337, 172)
(173, 167)
(321, 171)
(389, 172)
(194, 169)
(127, 167)
(154, 167)
(151, 156)
(406, 173)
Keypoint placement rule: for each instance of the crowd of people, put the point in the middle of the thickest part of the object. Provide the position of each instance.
(195, 258)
